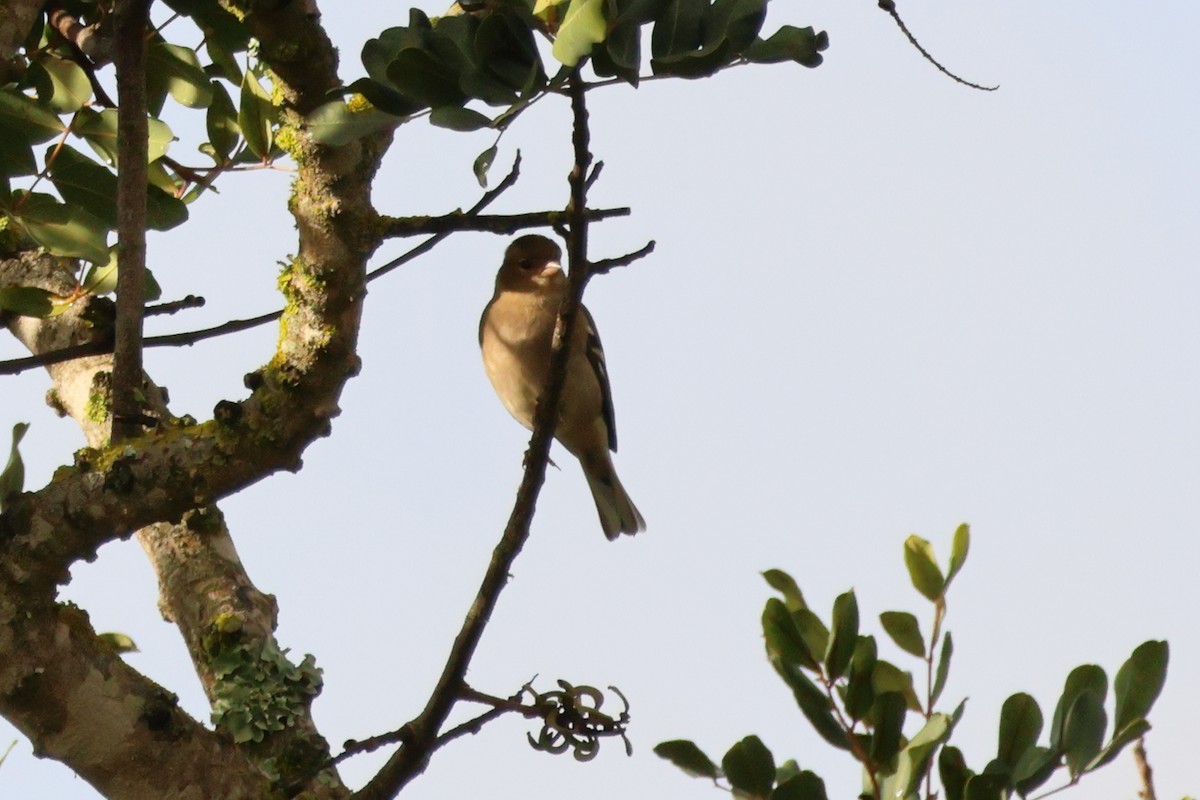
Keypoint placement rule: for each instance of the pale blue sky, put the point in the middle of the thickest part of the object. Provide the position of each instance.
(881, 304)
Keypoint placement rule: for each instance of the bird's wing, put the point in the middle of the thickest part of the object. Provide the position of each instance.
(595, 356)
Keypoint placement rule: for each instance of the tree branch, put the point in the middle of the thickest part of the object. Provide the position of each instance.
(422, 733)
(394, 227)
(132, 132)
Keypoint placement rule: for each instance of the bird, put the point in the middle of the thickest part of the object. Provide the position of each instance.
(515, 334)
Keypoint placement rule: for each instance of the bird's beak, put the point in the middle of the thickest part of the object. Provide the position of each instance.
(551, 268)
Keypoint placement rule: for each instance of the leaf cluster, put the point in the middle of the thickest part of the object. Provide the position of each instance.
(871, 708)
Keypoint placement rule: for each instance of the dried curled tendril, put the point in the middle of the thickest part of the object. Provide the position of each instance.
(572, 719)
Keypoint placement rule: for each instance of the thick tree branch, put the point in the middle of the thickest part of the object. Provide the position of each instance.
(132, 132)
(423, 731)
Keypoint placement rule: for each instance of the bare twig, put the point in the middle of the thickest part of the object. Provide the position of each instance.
(190, 301)
(603, 266)
(131, 17)
(394, 227)
(410, 760)
(890, 7)
(1145, 773)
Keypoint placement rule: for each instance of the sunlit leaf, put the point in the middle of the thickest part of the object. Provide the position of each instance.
(958, 550)
(256, 116)
(119, 642)
(180, 70)
(922, 567)
(582, 27)
(12, 479)
(99, 129)
(27, 301)
(69, 86)
(35, 122)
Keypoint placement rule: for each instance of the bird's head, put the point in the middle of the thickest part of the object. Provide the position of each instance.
(531, 262)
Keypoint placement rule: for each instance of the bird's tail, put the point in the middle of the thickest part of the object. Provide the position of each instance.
(617, 512)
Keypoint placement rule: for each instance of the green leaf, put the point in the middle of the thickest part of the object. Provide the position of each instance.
(688, 757)
(804, 785)
(888, 711)
(814, 704)
(16, 155)
(483, 163)
(33, 121)
(958, 550)
(119, 642)
(102, 280)
(783, 583)
(860, 690)
(385, 97)
(335, 124)
(99, 129)
(905, 631)
(68, 86)
(423, 76)
(456, 118)
(84, 183)
(1085, 678)
(504, 49)
(783, 637)
(750, 768)
(1135, 730)
(986, 786)
(62, 230)
(845, 635)
(887, 677)
(1139, 681)
(678, 28)
(953, 770)
(943, 668)
(789, 43)
(1083, 731)
(812, 630)
(26, 301)
(1020, 727)
(12, 479)
(1034, 768)
(735, 21)
(221, 122)
(583, 26)
(256, 116)
(923, 568)
(186, 80)
(916, 758)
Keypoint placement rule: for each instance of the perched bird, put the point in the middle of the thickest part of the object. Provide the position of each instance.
(515, 334)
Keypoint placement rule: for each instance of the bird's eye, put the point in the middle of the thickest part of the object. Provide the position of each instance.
(526, 263)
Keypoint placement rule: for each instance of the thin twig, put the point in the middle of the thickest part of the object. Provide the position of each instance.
(190, 301)
(410, 760)
(1145, 773)
(890, 7)
(397, 227)
(131, 18)
(605, 265)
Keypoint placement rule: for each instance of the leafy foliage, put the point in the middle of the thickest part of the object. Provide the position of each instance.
(870, 707)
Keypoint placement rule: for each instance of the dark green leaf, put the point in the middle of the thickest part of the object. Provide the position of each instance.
(888, 712)
(1020, 727)
(1034, 768)
(1083, 731)
(221, 123)
(783, 637)
(582, 27)
(783, 583)
(814, 704)
(16, 155)
(688, 757)
(958, 550)
(678, 28)
(923, 568)
(422, 76)
(860, 690)
(84, 183)
(483, 163)
(505, 49)
(1085, 678)
(68, 87)
(1139, 682)
(34, 122)
(985, 787)
(953, 770)
(845, 635)
(803, 785)
(890, 678)
(786, 770)
(62, 230)
(812, 630)
(386, 98)
(456, 118)
(905, 631)
(1130, 733)
(256, 116)
(943, 668)
(735, 21)
(12, 479)
(789, 43)
(750, 768)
